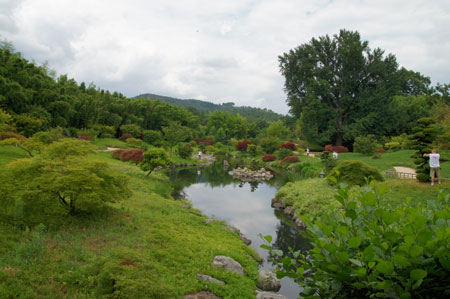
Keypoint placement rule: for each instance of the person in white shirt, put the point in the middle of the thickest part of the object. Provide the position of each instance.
(335, 155)
(435, 167)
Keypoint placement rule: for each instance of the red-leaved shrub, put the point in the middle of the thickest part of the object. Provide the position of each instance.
(117, 153)
(381, 150)
(125, 136)
(197, 140)
(289, 159)
(337, 148)
(329, 147)
(207, 142)
(289, 145)
(84, 137)
(135, 155)
(269, 157)
(242, 145)
(7, 135)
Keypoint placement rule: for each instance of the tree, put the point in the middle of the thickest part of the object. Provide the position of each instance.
(423, 137)
(155, 157)
(339, 88)
(63, 173)
(175, 133)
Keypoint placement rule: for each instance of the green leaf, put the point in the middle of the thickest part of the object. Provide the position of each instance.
(277, 252)
(369, 199)
(418, 274)
(371, 265)
(354, 242)
(343, 230)
(356, 262)
(351, 214)
(385, 267)
(415, 251)
(268, 238)
(343, 256)
(400, 260)
(263, 246)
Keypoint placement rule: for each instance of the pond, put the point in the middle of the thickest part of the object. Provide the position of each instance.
(244, 205)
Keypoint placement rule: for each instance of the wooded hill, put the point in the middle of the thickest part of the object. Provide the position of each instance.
(201, 107)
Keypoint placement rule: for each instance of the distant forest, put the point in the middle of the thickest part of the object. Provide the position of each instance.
(198, 107)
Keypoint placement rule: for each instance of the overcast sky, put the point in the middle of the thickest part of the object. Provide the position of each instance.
(218, 51)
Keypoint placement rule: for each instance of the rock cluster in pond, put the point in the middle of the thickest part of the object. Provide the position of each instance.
(289, 211)
(245, 174)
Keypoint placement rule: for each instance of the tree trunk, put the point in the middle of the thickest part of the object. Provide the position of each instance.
(339, 133)
(149, 172)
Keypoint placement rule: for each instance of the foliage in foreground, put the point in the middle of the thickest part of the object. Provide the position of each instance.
(367, 250)
(63, 173)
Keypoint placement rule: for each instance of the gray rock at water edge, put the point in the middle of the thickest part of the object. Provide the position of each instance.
(231, 229)
(208, 278)
(268, 295)
(277, 205)
(267, 281)
(245, 239)
(227, 263)
(299, 223)
(202, 295)
(187, 207)
(288, 210)
(209, 220)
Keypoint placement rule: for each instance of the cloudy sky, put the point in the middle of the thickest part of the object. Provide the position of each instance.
(218, 51)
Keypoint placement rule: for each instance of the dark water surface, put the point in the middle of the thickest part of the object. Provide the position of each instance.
(246, 206)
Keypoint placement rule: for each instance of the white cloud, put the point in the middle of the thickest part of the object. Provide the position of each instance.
(217, 51)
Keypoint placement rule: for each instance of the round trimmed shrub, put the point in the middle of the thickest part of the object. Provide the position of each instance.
(289, 159)
(289, 145)
(268, 158)
(125, 136)
(355, 172)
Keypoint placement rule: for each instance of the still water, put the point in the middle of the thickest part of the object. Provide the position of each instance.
(246, 206)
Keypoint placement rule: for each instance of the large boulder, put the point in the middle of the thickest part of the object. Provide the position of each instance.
(227, 263)
(267, 281)
(268, 295)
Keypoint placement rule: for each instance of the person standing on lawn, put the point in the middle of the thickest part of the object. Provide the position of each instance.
(435, 167)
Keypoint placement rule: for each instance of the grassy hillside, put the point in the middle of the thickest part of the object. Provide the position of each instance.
(148, 246)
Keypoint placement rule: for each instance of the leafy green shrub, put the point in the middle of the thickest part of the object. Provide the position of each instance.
(117, 153)
(328, 161)
(269, 144)
(355, 172)
(393, 146)
(366, 250)
(252, 150)
(366, 145)
(306, 169)
(423, 137)
(125, 136)
(184, 151)
(152, 137)
(283, 153)
(210, 149)
(134, 142)
(132, 129)
(155, 157)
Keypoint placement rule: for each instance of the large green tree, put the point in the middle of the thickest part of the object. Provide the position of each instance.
(339, 88)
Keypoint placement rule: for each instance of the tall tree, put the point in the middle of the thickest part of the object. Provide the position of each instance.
(339, 88)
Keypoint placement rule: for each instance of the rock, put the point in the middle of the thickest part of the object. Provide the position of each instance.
(245, 239)
(267, 281)
(288, 210)
(228, 263)
(187, 207)
(277, 205)
(225, 163)
(202, 295)
(231, 229)
(268, 295)
(208, 278)
(299, 223)
(208, 220)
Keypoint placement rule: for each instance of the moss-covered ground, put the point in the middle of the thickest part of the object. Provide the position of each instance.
(148, 246)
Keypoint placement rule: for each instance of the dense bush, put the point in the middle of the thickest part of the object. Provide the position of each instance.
(269, 144)
(283, 153)
(337, 148)
(184, 151)
(155, 157)
(8, 135)
(367, 250)
(354, 172)
(131, 129)
(125, 136)
(328, 161)
(84, 137)
(289, 159)
(252, 150)
(393, 146)
(134, 155)
(423, 137)
(269, 157)
(242, 145)
(306, 169)
(134, 142)
(117, 153)
(366, 145)
(152, 137)
(289, 145)
(381, 150)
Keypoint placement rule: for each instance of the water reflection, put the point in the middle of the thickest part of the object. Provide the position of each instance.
(245, 205)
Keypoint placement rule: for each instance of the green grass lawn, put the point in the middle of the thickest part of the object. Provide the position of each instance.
(148, 246)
